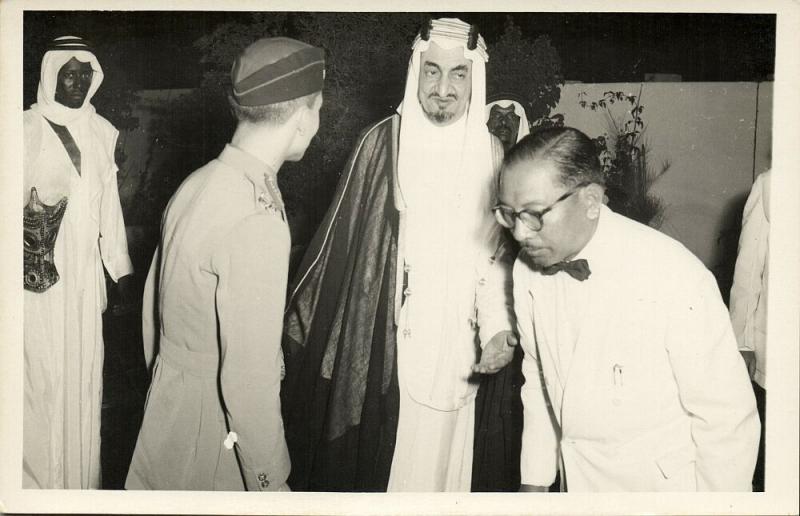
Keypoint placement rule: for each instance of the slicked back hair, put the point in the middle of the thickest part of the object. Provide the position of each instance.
(569, 149)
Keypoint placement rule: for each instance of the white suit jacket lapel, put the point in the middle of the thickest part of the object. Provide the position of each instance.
(545, 334)
(593, 326)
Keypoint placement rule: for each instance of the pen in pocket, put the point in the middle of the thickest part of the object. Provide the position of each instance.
(618, 375)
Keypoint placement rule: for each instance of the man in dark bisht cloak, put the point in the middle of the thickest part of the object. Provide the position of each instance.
(404, 286)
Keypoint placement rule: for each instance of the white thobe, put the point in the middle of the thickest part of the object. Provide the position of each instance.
(750, 278)
(453, 254)
(63, 335)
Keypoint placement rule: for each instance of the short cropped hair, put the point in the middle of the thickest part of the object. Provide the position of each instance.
(271, 114)
(569, 149)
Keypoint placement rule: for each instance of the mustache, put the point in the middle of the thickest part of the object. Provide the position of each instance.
(436, 96)
(527, 249)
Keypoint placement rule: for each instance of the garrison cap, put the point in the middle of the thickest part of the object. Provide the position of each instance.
(273, 70)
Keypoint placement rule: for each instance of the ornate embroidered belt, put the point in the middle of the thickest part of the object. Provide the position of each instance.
(40, 229)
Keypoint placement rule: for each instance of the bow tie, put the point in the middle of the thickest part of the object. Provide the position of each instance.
(578, 269)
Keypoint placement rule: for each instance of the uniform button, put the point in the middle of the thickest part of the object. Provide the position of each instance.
(617, 402)
(407, 268)
(482, 281)
(407, 292)
(230, 440)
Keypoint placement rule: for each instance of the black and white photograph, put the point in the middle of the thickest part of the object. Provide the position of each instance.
(399, 259)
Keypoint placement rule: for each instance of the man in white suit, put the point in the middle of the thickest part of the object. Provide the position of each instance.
(633, 378)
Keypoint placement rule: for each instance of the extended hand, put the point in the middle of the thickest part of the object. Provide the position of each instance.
(497, 353)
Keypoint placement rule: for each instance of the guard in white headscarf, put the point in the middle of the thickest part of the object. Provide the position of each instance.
(506, 119)
(73, 227)
(403, 284)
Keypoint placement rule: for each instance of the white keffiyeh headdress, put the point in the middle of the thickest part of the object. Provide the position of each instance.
(59, 52)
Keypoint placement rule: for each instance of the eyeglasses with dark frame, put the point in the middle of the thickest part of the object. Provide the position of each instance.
(506, 217)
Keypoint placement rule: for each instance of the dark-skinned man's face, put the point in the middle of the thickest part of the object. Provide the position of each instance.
(504, 123)
(72, 85)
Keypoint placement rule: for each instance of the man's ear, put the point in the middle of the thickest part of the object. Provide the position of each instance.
(592, 197)
(300, 119)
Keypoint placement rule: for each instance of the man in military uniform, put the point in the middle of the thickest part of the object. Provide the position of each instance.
(214, 297)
